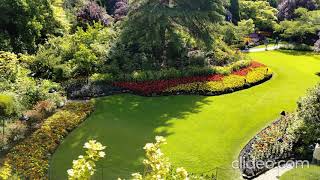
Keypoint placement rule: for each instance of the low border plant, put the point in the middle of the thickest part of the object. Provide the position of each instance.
(30, 158)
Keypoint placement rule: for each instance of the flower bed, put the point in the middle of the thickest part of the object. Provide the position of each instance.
(205, 85)
(30, 158)
(272, 144)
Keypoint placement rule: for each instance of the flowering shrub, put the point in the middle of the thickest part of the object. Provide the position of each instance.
(31, 157)
(84, 167)
(157, 166)
(91, 13)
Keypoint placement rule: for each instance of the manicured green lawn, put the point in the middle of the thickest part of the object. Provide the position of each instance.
(202, 132)
(306, 173)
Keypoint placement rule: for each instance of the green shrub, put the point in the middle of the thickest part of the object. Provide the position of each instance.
(74, 55)
(8, 66)
(6, 105)
(309, 112)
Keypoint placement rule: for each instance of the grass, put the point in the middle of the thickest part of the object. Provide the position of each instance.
(305, 173)
(203, 133)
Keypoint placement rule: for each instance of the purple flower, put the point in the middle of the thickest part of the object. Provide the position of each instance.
(91, 13)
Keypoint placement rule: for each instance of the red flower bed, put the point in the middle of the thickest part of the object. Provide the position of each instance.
(255, 64)
(157, 86)
(245, 71)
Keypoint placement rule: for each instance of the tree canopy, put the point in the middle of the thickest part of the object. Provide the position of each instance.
(302, 29)
(25, 24)
(263, 15)
(156, 30)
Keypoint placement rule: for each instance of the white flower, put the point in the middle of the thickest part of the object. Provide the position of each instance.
(136, 176)
(80, 157)
(159, 153)
(148, 146)
(70, 172)
(87, 145)
(182, 173)
(160, 139)
(102, 154)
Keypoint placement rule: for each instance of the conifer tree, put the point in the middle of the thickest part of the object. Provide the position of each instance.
(234, 9)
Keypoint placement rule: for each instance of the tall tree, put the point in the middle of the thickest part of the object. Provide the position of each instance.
(235, 11)
(150, 33)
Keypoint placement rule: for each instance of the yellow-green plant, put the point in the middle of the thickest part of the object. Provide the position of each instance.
(157, 164)
(84, 167)
(5, 171)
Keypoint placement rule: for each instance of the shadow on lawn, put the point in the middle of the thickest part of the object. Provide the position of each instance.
(300, 53)
(124, 123)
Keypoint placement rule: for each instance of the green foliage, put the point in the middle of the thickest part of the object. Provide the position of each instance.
(235, 11)
(263, 15)
(6, 105)
(15, 81)
(79, 54)
(246, 26)
(169, 73)
(60, 14)
(303, 29)
(8, 66)
(26, 23)
(231, 34)
(234, 35)
(163, 43)
(309, 112)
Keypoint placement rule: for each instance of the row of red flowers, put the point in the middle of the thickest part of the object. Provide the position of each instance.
(158, 86)
(245, 71)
